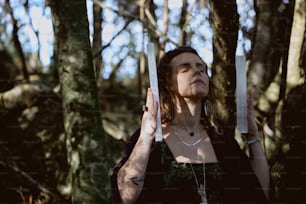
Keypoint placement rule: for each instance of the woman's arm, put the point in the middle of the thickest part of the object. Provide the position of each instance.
(260, 166)
(258, 159)
(131, 176)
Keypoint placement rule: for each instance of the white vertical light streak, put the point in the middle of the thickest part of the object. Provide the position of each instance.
(154, 88)
(241, 94)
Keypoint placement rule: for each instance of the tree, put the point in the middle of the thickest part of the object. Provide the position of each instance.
(274, 74)
(279, 101)
(17, 41)
(97, 41)
(224, 21)
(86, 141)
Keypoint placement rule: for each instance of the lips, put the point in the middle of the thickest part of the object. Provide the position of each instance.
(198, 81)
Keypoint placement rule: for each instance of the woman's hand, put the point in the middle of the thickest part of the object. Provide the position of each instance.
(148, 122)
(252, 126)
(257, 155)
(131, 176)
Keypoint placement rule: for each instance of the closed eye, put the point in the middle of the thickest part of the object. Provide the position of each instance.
(202, 67)
(184, 67)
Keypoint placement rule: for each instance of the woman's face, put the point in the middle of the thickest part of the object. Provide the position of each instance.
(189, 76)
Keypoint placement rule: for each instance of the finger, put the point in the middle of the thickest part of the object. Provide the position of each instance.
(151, 103)
(250, 100)
(155, 108)
(147, 107)
(154, 104)
(150, 98)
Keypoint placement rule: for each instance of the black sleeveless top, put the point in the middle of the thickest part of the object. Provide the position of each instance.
(181, 181)
(231, 180)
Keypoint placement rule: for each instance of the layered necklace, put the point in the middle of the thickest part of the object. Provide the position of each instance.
(201, 187)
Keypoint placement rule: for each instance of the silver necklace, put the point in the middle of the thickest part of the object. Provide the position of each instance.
(201, 187)
(183, 142)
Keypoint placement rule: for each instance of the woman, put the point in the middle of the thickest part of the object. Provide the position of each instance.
(195, 162)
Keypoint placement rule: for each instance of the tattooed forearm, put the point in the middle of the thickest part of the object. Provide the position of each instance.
(137, 181)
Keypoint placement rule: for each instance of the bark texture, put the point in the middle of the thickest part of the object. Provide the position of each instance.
(82, 121)
(225, 23)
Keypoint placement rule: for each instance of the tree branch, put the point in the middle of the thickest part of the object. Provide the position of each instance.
(29, 179)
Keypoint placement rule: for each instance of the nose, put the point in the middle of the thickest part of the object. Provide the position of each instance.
(197, 69)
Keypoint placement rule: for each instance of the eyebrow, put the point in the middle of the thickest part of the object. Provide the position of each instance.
(189, 63)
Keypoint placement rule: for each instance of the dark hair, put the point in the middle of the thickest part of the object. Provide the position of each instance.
(167, 94)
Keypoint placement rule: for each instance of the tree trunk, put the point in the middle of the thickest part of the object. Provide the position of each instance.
(224, 21)
(296, 50)
(165, 28)
(142, 59)
(183, 22)
(292, 122)
(85, 136)
(270, 45)
(259, 75)
(97, 40)
(266, 77)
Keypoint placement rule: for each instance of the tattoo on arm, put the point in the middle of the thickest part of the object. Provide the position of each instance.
(137, 181)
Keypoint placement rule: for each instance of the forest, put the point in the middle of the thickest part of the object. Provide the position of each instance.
(73, 79)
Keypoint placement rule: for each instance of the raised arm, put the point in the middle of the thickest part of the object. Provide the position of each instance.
(131, 176)
(258, 159)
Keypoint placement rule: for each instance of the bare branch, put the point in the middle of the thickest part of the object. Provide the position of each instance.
(17, 42)
(29, 179)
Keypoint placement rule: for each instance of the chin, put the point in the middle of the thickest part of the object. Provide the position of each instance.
(202, 94)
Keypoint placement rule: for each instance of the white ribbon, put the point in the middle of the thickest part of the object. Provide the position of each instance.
(241, 94)
(154, 87)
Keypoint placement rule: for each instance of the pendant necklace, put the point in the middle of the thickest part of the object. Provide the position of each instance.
(201, 187)
(191, 133)
(186, 143)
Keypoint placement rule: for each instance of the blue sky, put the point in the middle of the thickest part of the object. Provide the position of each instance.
(42, 25)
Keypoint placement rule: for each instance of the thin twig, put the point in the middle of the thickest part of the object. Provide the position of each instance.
(28, 178)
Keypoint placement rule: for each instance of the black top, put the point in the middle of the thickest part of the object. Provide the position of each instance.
(181, 181)
(235, 178)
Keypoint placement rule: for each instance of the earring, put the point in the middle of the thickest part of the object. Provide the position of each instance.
(205, 109)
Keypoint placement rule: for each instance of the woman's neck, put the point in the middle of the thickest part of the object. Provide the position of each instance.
(188, 114)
